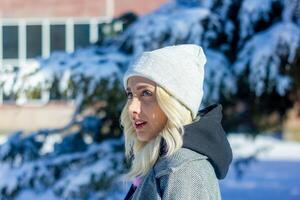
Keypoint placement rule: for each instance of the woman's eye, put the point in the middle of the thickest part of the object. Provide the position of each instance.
(144, 93)
(147, 93)
(129, 95)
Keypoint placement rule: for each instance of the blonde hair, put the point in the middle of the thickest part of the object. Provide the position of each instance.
(143, 155)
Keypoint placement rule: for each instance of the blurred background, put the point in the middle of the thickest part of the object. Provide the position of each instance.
(61, 93)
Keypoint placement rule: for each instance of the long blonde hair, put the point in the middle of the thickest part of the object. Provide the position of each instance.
(143, 155)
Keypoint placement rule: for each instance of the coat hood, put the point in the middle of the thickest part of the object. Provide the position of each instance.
(206, 136)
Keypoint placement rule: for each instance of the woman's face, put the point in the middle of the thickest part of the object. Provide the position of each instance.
(145, 114)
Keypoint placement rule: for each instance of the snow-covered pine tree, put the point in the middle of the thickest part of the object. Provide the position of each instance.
(253, 60)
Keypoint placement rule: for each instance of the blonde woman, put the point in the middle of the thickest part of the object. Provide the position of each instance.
(176, 151)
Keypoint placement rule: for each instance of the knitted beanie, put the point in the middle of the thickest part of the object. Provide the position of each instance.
(179, 69)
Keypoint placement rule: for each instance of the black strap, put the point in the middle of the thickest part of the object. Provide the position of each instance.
(129, 195)
(159, 191)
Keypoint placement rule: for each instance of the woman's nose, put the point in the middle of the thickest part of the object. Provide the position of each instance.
(135, 106)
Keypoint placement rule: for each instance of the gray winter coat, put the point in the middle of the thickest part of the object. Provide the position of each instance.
(185, 175)
(193, 171)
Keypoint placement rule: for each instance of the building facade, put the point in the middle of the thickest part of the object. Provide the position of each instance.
(30, 29)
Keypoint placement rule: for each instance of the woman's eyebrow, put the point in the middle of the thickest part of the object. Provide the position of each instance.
(138, 87)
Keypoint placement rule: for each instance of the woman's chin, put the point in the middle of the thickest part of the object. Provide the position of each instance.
(142, 139)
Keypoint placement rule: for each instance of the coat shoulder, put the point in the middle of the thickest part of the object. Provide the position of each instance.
(181, 158)
(187, 175)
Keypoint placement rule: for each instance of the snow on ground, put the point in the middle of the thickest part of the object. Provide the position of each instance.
(265, 147)
(272, 174)
(274, 180)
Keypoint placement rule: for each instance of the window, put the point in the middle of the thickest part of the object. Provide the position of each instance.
(101, 32)
(10, 42)
(57, 37)
(34, 40)
(81, 35)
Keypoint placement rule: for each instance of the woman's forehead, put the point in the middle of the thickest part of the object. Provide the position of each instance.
(138, 82)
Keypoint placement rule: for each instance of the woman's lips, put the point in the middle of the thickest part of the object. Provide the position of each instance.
(140, 125)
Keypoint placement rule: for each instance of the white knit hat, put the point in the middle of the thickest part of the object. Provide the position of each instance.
(178, 69)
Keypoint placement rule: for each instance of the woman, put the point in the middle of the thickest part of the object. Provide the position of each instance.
(176, 151)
